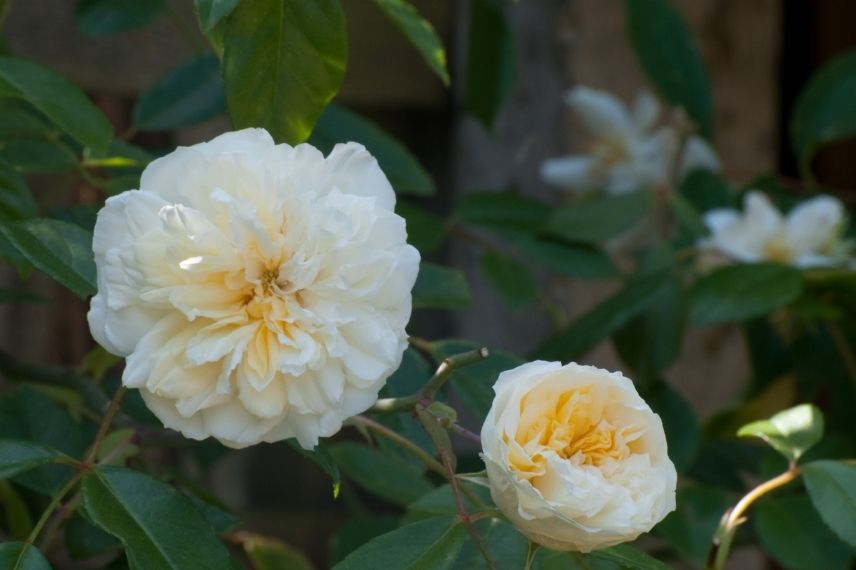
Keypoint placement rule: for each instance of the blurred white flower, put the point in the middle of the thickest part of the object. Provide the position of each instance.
(809, 236)
(576, 460)
(259, 291)
(628, 150)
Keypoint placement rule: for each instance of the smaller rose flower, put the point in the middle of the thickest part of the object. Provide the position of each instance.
(628, 151)
(576, 460)
(810, 235)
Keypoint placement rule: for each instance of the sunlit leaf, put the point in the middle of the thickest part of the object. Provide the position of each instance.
(283, 62)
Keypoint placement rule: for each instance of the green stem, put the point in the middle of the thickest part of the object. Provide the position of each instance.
(428, 391)
(414, 449)
(106, 422)
(531, 551)
(733, 518)
(581, 561)
(394, 436)
(462, 511)
(83, 469)
(465, 433)
(55, 501)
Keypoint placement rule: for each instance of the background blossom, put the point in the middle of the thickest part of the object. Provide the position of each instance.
(628, 151)
(810, 235)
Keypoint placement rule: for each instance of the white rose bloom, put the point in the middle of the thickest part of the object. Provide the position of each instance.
(809, 236)
(576, 460)
(259, 291)
(628, 151)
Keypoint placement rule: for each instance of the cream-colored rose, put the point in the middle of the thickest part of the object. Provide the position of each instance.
(810, 235)
(575, 458)
(628, 151)
(259, 291)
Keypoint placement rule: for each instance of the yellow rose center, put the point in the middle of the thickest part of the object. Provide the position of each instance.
(574, 425)
(266, 298)
(777, 249)
(610, 151)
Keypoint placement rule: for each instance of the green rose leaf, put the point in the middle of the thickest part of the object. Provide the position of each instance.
(503, 212)
(322, 458)
(439, 287)
(793, 533)
(570, 260)
(190, 94)
(603, 320)
(211, 12)
(22, 556)
(59, 100)
(489, 74)
(381, 472)
(419, 32)
(651, 342)
(16, 200)
(37, 156)
(283, 62)
(357, 532)
(429, 544)
(832, 488)
(60, 249)
(97, 18)
(744, 291)
(791, 432)
(339, 125)
(85, 540)
(271, 554)
(160, 527)
(28, 415)
(19, 456)
(441, 501)
(628, 557)
(511, 279)
(824, 111)
(706, 190)
(688, 529)
(426, 231)
(598, 219)
(667, 51)
(680, 423)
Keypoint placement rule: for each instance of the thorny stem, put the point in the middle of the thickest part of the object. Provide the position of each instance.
(37, 528)
(733, 518)
(106, 422)
(465, 433)
(462, 511)
(417, 451)
(392, 435)
(843, 348)
(446, 367)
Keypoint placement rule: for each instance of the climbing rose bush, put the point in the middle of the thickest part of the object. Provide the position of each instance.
(259, 291)
(576, 460)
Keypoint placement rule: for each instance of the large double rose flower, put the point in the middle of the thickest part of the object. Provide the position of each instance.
(259, 291)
